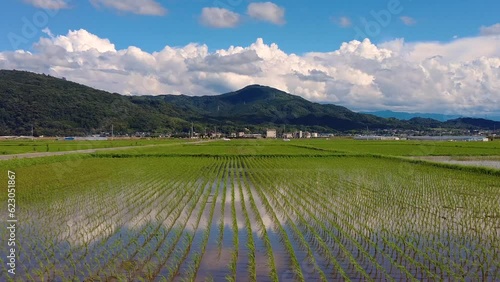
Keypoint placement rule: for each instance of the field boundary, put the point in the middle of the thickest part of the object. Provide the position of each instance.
(89, 151)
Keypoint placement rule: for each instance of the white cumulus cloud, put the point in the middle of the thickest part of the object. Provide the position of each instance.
(219, 18)
(457, 77)
(48, 4)
(76, 41)
(140, 7)
(490, 30)
(267, 11)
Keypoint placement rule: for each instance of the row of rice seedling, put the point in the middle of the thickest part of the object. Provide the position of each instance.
(289, 212)
(177, 248)
(324, 218)
(234, 226)
(405, 148)
(90, 222)
(296, 268)
(271, 264)
(148, 236)
(206, 188)
(318, 224)
(193, 270)
(144, 241)
(391, 239)
(396, 231)
(87, 229)
(251, 267)
(343, 227)
(200, 237)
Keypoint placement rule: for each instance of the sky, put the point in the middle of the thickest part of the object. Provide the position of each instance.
(401, 55)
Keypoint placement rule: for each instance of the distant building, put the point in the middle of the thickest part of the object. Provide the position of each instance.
(314, 135)
(449, 138)
(92, 138)
(299, 134)
(374, 137)
(250, 135)
(241, 134)
(271, 133)
(287, 135)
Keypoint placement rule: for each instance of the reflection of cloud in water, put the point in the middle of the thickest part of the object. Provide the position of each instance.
(216, 266)
(81, 225)
(268, 223)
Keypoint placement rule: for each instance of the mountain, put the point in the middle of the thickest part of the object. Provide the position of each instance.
(408, 116)
(472, 123)
(55, 106)
(256, 104)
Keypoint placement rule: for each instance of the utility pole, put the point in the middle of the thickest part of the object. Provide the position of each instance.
(112, 132)
(32, 135)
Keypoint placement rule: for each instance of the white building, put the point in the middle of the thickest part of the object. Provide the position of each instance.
(271, 133)
(450, 138)
(374, 137)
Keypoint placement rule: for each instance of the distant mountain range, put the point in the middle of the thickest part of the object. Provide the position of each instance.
(55, 106)
(407, 116)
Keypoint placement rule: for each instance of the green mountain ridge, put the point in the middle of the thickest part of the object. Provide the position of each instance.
(55, 106)
(257, 104)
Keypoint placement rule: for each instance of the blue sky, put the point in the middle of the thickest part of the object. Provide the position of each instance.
(309, 26)
(400, 55)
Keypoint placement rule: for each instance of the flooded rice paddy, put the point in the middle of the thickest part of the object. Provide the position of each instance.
(258, 219)
(489, 162)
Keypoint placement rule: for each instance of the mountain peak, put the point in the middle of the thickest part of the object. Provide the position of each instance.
(257, 87)
(254, 93)
(254, 86)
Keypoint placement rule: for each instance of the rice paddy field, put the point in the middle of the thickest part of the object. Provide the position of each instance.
(12, 146)
(260, 210)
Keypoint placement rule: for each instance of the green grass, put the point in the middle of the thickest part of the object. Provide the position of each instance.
(223, 148)
(408, 148)
(323, 147)
(262, 147)
(8, 147)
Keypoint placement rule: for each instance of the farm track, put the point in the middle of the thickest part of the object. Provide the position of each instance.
(89, 151)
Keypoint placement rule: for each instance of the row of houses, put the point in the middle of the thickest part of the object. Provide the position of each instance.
(271, 133)
(424, 138)
(450, 138)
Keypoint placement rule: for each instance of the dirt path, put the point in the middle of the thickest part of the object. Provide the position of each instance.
(86, 151)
